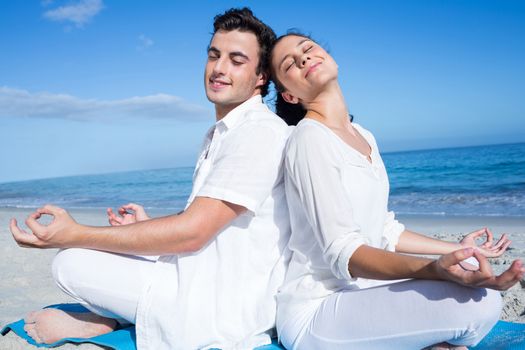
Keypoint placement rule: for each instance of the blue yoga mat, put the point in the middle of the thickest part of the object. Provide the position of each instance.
(120, 339)
(504, 336)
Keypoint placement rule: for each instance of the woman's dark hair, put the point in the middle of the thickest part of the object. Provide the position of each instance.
(291, 113)
(242, 19)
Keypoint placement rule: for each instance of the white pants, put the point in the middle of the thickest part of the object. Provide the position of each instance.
(407, 315)
(107, 284)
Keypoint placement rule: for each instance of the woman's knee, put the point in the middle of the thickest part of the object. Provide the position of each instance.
(490, 306)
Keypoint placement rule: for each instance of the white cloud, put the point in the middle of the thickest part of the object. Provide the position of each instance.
(79, 13)
(144, 42)
(22, 103)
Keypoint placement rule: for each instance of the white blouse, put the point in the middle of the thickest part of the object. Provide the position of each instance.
(337, 201)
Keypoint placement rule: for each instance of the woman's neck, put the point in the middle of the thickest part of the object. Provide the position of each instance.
(329, 107)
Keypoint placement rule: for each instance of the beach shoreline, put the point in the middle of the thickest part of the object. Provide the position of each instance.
(26, 282)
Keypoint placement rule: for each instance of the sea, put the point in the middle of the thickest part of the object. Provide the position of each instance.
(466, 181)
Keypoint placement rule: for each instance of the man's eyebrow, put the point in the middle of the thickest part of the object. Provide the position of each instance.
(213, 49)
(298, 44)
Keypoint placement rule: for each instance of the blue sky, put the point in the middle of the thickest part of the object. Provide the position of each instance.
(95, 86)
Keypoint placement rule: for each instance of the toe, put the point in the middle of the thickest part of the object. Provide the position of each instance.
(31, 331)
(28, 327)
(30, 317)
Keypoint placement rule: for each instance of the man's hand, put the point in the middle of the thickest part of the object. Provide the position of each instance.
(60, 233)
(448, 267)
(127, 214)
(487, 248)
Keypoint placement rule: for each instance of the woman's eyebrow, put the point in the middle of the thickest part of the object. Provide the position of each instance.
(288, 55)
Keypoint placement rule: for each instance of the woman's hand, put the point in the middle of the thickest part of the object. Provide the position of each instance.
(448, 267)
(487, 248)
(128, 214)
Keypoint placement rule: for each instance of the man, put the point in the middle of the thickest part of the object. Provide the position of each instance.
(221, 260)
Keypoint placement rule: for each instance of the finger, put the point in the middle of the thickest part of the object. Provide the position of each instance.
(115, 222)
(502, 249)
(510, 277)
(132, 206)
(477, 233)
(114, 217)
(456, 257)
(20, 236)
(32, 222)
(484, 264)
(503, 239)
(122, 211)
(490, 236)
(50, 210)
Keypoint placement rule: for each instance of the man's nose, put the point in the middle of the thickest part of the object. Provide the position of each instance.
(220, 66)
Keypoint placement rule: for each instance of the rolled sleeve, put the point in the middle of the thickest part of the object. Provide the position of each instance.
(313, 169)
(247, 166)
(392, 231)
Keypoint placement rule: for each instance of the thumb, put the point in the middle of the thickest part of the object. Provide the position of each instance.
(456, 257)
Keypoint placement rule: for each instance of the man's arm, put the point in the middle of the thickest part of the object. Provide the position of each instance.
(187, 232)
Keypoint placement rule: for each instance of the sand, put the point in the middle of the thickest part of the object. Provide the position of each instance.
(26, 283)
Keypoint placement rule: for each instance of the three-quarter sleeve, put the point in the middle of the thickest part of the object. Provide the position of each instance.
(313, 172)
(392, 231)
(247, 166)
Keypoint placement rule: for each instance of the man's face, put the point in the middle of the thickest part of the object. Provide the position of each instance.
(230, 77)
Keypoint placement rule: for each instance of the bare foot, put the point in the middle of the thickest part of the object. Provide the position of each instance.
(50, 325)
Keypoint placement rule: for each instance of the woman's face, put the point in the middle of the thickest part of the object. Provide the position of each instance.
(303, 67)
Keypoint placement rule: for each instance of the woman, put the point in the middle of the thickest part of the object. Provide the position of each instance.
(339, 292)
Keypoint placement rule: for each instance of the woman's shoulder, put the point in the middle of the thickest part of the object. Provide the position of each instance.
(367, 134)
(309, 130)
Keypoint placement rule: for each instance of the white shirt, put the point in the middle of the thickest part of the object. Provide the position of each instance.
(338, 201)
(223, 296)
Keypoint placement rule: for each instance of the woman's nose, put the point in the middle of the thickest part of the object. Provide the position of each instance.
(303, 60)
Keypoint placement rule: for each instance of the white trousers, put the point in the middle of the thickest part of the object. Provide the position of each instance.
(107, 284)
(407, 315)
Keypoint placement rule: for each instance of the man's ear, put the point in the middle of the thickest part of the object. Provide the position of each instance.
(289, 98)
(261, 80)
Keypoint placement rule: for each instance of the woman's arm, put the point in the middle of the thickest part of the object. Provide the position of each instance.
(368, 262)
(415, 243)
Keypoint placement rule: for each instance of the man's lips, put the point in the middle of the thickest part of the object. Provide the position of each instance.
(217, 83)
(312, 68)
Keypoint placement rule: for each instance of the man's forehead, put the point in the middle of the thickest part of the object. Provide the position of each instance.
(235, 41)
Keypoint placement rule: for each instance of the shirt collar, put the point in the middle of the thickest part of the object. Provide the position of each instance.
(233, 117)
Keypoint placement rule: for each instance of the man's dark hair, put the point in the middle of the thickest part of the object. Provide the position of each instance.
(243, 20)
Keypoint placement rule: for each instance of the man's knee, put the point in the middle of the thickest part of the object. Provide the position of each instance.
(67, 267)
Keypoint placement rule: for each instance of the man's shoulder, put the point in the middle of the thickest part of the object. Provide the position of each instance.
(260, 115)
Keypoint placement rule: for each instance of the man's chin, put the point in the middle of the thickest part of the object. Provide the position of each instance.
(217, 97)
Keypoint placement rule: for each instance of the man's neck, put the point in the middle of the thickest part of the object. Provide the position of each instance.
(222, 110)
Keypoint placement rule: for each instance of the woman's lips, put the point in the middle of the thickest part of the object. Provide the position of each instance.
(312, 68)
